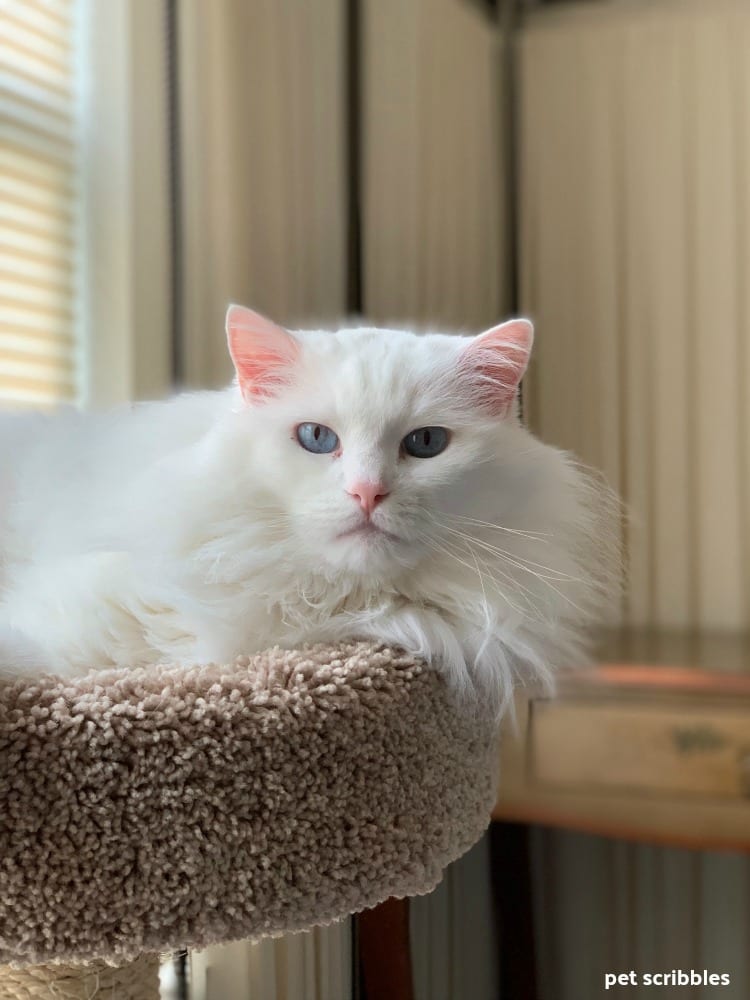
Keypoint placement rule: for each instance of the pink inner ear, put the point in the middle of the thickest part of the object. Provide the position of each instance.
(263, 353)
(494, 364)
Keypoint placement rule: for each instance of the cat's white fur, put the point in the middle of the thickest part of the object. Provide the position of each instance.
(198, 528)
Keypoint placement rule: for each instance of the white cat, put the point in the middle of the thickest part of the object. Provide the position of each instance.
(362, 483)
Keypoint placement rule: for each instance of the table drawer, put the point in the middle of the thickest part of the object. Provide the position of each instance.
(586, 744)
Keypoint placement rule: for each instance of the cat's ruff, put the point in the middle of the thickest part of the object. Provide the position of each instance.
(151, 809)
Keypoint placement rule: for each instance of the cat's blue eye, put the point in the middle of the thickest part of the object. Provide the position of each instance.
(317, 438)
(426, 442)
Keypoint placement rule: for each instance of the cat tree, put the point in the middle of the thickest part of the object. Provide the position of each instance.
(149, 810)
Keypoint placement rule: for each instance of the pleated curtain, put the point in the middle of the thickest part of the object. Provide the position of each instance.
(635, 221)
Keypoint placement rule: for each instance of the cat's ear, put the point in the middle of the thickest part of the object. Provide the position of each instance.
(494, 363)
(262, 352)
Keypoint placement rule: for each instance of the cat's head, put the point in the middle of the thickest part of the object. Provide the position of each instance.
(371, 440)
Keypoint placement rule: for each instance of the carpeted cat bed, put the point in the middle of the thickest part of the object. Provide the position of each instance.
(146, 810)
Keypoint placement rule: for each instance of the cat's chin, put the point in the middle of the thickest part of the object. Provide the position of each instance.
(371, 551)
(368, 534)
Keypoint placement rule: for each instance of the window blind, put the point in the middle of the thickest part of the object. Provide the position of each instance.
(38, 202)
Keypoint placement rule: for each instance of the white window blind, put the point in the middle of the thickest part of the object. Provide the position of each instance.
(38, 202)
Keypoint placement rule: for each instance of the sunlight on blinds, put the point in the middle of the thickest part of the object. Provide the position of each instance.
(38, 201)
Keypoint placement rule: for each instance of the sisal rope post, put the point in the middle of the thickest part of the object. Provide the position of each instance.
(138, 980)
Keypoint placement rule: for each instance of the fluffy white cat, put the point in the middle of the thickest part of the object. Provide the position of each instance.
(354, 484)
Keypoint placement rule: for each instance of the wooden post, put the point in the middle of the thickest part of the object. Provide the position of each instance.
(384, 951)
(512, 893)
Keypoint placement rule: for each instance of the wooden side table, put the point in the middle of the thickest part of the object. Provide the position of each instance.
(652, 744)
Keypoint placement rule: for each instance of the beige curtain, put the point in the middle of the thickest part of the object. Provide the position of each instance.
(310, 966)
(262, 93)
(604, 906)
(263, 167)
(434, 220)
(454, 936)
(635, 152)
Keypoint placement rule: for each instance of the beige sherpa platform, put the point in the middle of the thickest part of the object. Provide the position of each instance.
(146, 810)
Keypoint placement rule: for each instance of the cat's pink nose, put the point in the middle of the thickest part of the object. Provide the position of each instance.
(368, 495)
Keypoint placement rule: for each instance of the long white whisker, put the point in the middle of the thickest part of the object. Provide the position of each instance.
(494, 550)
(517, 587)
(540, 536)
(521, 561)
(528, 595)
